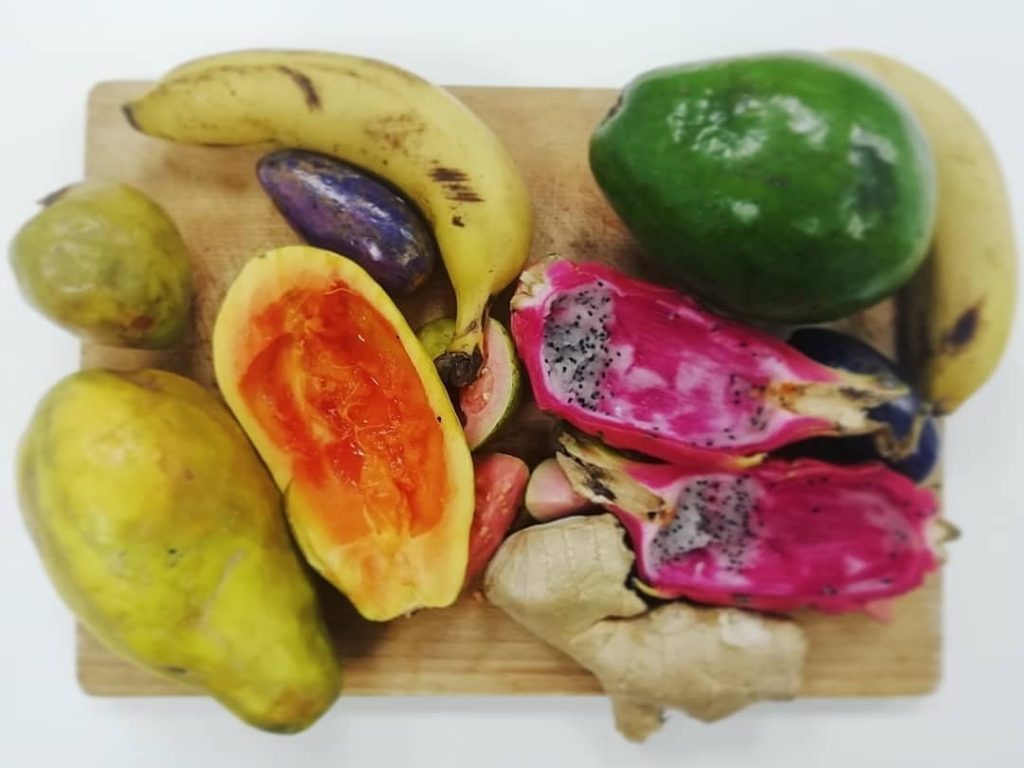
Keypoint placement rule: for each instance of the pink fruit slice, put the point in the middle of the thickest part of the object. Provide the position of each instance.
(776, 536)
(500, 481)
(646, 368)
(549, 495)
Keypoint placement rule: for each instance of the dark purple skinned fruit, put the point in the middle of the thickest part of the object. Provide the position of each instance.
(910, 444)
(341, 208)
(775, 536)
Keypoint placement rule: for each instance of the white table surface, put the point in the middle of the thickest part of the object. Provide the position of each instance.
(51, 53)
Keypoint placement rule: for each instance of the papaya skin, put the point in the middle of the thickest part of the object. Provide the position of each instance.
(350, 416)
(163, 533)
(108, 264)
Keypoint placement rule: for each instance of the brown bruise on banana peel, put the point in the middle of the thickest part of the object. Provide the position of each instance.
(304, 84)
(456, 184)
(565, 581)
(395, 132)
(958, 337)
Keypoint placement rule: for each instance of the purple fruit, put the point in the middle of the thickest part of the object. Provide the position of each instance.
(344, 209)
(909, 444)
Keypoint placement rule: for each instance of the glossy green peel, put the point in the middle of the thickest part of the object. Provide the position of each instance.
(782, 187)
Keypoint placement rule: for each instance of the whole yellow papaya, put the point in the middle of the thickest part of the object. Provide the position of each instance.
(164, 534)
(106, 262)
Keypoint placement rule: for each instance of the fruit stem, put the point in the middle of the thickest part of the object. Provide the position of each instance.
(53, 197)
(459, 369)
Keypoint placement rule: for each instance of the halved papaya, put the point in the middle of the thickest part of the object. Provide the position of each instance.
(351, 418)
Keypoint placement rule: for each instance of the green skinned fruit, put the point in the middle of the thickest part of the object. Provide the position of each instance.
(164, 534)
(785, 188)
(107, 263)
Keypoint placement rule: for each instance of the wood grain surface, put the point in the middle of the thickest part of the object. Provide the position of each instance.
(470, 648)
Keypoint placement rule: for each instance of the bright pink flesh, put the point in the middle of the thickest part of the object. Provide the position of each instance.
(646, 368)
(500, 481)
(549, 494)
(781, 535)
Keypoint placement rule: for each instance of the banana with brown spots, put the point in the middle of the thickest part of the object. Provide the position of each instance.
(386, 120)
(963, 297)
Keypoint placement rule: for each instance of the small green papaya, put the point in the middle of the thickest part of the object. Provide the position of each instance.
(786, 187)
(107, 263)
(165, 535)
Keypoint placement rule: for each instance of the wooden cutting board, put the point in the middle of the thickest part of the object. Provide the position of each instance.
(471, 648)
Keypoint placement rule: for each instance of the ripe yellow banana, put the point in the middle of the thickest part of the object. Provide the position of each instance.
(961, 302)
(387, 120)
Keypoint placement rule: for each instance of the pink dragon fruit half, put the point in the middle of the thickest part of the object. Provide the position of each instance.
(646, 368)
(776, 536)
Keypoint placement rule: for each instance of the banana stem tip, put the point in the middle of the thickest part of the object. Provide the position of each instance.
(458, 369)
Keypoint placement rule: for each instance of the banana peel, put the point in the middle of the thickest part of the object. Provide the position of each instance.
(406, 130)
(961, 303)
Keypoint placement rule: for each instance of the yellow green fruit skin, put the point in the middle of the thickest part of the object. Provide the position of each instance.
(391, 122)
(436, 335)
(107, 263)
(388, 573)
(961, 303)
(163, 533)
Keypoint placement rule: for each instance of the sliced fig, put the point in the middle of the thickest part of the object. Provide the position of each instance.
(490, 400)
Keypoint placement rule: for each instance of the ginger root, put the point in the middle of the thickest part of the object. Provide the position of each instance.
(566, 582)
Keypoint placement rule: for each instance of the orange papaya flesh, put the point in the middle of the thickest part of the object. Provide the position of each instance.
(350, 416)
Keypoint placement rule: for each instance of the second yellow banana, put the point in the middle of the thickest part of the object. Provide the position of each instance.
(961, 302)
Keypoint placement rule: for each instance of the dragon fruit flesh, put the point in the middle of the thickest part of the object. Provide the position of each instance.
(776, 536)
(645, 368)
